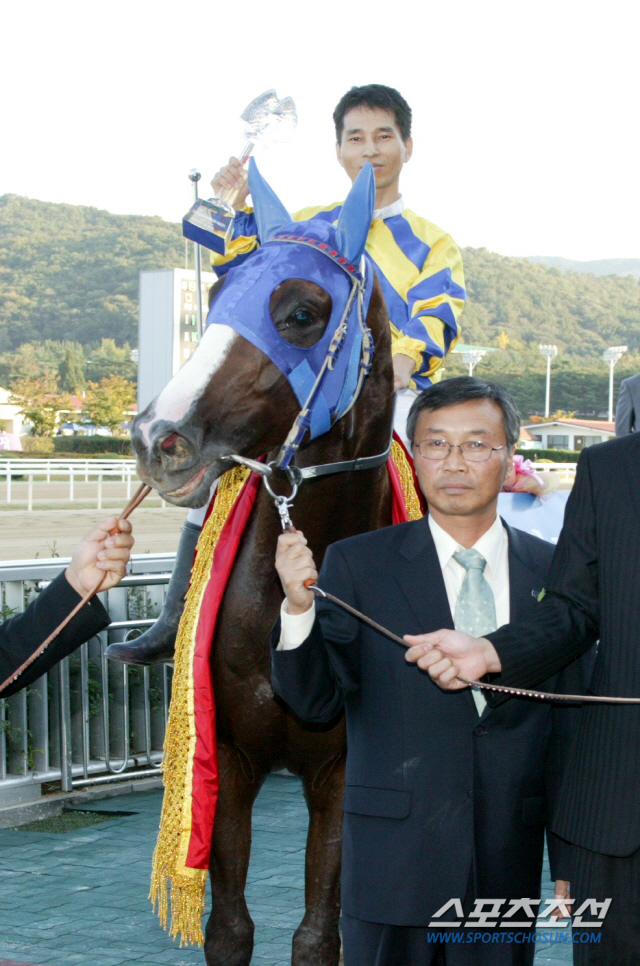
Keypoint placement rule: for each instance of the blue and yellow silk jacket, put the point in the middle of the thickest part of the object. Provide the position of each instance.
(420, 270)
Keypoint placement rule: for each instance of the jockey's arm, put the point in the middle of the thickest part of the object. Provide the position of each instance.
(435, 302)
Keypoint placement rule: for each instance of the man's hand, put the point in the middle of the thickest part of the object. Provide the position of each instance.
(403, 368)
(101, 555)
(561, 891)
(294, 563)
(230, 178)
(445, 654)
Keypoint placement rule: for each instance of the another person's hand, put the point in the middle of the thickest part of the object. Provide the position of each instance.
(446, 653)
(101, 555)
(560, 892)
(403, 368)
(229, 178)
(294, 563)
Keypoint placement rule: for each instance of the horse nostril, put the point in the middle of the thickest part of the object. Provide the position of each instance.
(167, 443)
(176, 447)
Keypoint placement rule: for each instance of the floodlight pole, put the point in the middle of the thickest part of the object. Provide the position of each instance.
(472, 358)
(549, 352)
(612, 355)
(194, 177)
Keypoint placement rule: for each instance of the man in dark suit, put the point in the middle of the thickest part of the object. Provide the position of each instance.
(593, 591)
(628, 408)
(445, 797)
(100, 554)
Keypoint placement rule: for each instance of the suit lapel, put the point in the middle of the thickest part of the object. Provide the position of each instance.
(419, 578)
(524, 582)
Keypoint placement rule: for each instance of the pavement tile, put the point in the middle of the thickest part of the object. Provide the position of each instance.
(80, 899)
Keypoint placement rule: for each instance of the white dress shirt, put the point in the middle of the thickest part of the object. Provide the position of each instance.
(494, 547)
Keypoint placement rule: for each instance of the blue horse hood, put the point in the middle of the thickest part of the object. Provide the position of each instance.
(308, 251)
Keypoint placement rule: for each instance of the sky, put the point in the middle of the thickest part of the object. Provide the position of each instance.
(526, 134)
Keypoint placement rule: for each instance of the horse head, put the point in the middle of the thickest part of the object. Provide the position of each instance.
(272, 320)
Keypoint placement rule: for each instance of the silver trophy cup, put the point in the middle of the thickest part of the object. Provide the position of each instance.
(268, 120)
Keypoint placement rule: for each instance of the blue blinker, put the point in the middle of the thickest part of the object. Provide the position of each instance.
(324, 377)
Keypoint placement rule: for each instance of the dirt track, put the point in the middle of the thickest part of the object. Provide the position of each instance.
(24, 535)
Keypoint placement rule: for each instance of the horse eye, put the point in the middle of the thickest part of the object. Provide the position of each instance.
(301, 317)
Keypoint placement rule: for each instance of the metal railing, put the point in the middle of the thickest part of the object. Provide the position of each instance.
(88, 720)
(29, 481)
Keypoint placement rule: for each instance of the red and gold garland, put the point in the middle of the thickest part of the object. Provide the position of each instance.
(190, 764)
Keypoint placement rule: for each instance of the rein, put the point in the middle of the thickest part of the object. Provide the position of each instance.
(140, 494)
(546, 695)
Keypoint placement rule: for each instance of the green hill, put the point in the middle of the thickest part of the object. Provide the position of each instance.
(581, 314)
(71, 273)
(599, 266)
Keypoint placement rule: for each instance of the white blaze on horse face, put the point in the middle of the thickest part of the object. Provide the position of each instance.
(189, 383)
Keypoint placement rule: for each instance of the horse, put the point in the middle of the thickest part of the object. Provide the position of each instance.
(232, 398)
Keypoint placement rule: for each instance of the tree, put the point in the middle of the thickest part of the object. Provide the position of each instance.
(109, 402)
(40, 401)
(108, 359)
(71, 370)
(33, 359)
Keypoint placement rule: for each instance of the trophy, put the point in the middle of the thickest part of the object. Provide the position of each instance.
(268, 120)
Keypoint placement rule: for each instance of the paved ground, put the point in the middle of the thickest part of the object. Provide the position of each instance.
(42, 533)
(80, 897)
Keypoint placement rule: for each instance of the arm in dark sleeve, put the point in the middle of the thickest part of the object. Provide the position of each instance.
(21, 635)
(314, 678)
(560, 853)
(625, 415)
(565, 718)
(566, 622)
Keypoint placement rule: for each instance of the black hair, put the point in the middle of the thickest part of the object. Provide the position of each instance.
(461, 389)
(374, 96)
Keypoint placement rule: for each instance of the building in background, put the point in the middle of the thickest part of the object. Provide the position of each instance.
(11, 419)
(571, 434)
(167, 326)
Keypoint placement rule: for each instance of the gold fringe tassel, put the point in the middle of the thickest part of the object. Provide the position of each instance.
(412, 503)
(178, 892)
(184, 908)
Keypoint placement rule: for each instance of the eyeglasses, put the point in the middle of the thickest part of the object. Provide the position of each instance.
(473, 450)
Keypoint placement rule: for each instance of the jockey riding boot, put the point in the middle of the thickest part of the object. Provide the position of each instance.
(157, 644)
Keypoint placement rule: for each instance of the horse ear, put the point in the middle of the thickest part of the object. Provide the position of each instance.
(271, 214)
(355, 218)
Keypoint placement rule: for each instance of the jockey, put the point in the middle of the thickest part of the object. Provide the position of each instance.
(419, 265)
(419, 268)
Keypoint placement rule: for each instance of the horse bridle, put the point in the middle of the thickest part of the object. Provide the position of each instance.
(298, 474)
(285, 459)
(302, 421)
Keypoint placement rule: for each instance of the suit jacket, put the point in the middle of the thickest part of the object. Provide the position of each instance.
(430, 786)
(593, 591)
(628, 408)
(21, 635)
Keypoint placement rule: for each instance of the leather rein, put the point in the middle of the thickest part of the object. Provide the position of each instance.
(498, 688)
(140, 494)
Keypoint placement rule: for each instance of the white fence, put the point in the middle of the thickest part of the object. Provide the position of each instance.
(89, 720)
(566, 471)
(29, 482)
